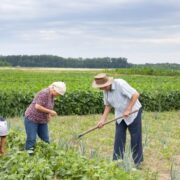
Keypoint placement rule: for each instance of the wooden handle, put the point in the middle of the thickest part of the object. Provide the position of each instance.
(96, 127)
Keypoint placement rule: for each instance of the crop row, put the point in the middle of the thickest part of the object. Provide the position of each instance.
(34, 81)
(54, 161)
(85, 102)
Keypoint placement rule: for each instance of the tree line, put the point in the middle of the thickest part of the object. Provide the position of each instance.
(56, 61)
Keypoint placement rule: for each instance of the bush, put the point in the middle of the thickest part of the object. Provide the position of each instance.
(85, 102)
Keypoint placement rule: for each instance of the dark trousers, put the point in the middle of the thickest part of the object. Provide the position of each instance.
(135, 130)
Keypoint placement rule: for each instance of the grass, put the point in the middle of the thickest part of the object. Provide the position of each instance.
(161, 137)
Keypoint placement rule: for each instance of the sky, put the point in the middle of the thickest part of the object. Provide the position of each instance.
(143, 31)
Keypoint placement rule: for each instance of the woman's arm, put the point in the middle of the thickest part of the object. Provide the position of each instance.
(45, 110)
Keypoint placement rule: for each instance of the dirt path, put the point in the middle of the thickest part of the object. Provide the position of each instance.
(174, 174)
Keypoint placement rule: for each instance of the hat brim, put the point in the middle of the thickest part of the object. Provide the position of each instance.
(109, 82)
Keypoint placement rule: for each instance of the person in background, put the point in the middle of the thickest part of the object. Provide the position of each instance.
(39, 113)
(124, 99)
(3, 134)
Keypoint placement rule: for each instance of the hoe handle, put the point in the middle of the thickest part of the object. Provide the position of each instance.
(96, 127)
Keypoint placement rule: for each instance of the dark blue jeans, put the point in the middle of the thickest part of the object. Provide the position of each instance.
(32, 129)
(135, 130)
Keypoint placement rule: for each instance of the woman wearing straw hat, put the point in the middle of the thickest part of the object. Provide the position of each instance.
(39, 113)
(117, 93)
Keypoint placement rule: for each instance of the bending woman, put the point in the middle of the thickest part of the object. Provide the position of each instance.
(39, 112)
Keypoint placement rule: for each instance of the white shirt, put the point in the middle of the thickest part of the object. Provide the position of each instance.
(3, 128)
(119, 98)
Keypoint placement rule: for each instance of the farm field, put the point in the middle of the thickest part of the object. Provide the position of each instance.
(80, 110)
(18, 86)
(161, 141)
(34, 80)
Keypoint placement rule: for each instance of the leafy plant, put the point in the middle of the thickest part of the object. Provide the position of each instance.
(49, 161)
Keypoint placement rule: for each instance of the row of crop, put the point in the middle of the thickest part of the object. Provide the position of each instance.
(85, 102)
(147, 71)
(77, 80)
(53, 161)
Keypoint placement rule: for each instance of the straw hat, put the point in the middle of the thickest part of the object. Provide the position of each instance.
(59, 87)
(102, 80)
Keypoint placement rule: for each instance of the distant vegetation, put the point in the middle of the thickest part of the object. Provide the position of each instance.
(145, 71)
(160, 66)
(4, 63)
(17, 88)
(56, 61)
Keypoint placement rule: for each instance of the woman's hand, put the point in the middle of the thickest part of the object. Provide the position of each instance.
(49, 117)
(53, 113)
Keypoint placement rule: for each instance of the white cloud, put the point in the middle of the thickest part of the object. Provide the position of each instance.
(135, 29)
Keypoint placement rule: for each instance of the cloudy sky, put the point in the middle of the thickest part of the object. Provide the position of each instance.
(143, 31)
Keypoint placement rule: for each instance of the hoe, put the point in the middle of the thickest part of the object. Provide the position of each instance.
(96, 127)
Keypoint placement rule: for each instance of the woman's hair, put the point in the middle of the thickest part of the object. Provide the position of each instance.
(1, 118)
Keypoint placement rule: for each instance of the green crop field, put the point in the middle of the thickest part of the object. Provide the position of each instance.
(31, 80)
(90, 158)
(18, 86)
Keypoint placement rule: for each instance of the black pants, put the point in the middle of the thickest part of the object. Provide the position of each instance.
(135, 130)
